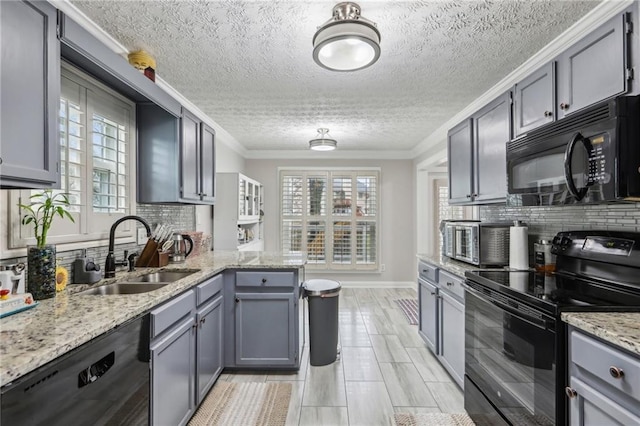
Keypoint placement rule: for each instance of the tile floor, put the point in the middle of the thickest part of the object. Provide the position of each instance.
(384, 368)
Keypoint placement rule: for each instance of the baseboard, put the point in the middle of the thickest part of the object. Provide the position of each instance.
(378, 284)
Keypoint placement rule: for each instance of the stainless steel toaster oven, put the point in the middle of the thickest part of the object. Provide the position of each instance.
(477, 243)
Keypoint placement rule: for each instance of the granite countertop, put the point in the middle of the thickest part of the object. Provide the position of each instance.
(34, 337)
(455, 267)
(618, 328)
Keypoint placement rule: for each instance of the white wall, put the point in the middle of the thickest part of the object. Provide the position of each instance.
(397, 231)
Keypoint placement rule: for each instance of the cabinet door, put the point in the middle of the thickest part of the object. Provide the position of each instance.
(208, 156)
(534, 100)
(428, 308)
(173, 376)
(492, 131)
(595, 68)
(460, 163)
(30, 95)
(452, 337)
(190, 157)
(242, 198)
(265, 329)
(590, 407)
(209, 347)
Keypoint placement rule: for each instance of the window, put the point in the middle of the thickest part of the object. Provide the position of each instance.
(333, 216)
(97, 147)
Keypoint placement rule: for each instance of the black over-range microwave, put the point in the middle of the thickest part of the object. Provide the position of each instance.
(591, 156)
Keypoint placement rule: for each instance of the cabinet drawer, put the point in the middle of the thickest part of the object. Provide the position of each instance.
(168, 314)
(265, 279)
(208, 289)
(451, 283)
(598, 359)
(427, 271)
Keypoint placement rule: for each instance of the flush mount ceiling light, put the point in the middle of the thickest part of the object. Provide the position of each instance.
(347, 41)
(323, 142)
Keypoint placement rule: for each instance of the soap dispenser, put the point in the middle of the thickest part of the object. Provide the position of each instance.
(85, 270)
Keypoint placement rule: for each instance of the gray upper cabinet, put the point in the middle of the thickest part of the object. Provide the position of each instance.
(176, 157)
(208, 155)
(30, 96)
(190, 170)
(534, 100)
(477, 155)
(460, 162)
(595, 68)
(492, 131)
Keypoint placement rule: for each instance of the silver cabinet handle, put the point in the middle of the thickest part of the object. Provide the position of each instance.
(449, 283)
(616, 372)
(564, 106)
(570, 392)
(548, 113)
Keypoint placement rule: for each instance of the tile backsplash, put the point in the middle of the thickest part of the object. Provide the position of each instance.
(182, 218)
(545, 222)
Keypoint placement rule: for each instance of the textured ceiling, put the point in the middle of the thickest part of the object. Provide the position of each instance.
(248, 64)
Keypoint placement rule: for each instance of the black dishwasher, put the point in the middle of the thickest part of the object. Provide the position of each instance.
(104, 381)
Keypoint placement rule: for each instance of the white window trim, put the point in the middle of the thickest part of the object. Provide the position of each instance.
(15, 237)
(329, 267)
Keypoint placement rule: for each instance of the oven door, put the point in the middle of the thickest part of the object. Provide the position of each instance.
(510, 361)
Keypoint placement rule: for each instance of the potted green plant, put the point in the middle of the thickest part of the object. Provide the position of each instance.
(41, 258)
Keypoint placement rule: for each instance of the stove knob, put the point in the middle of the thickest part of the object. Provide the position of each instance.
(570, 392)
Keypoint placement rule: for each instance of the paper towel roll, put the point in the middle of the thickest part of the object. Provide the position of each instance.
(518, 247)
(519, 280)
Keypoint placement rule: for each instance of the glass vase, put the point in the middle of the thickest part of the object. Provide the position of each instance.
(41, 271)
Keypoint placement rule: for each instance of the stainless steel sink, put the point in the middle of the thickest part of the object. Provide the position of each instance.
(123, 288)
(162, 276)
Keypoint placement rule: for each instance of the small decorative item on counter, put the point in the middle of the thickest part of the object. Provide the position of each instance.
(62, 278)
(544, 260)
(41, 258)
(15, 303)
(143, 62)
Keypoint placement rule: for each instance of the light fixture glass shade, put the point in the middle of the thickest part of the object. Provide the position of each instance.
(347, 42)
(323, 142)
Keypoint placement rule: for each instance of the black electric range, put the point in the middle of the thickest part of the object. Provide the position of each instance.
(515, 360)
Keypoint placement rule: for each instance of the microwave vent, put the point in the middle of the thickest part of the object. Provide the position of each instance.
(574, 122)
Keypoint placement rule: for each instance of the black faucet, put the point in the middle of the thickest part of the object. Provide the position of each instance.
(110, 264)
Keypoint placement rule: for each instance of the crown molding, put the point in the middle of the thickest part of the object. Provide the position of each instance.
(604, 11)
(329, 155)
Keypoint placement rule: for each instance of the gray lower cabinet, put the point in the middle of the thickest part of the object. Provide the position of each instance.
(30, 95)
(209, 345)
(173, 375)
(265, 329)
(452, 336)
(604, 382)
(186, 351)
(441, 313)
(428, 308)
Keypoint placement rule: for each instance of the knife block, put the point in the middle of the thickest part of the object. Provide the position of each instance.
(158, 259)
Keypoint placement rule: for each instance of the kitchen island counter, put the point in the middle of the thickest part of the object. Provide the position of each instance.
(32, 338)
